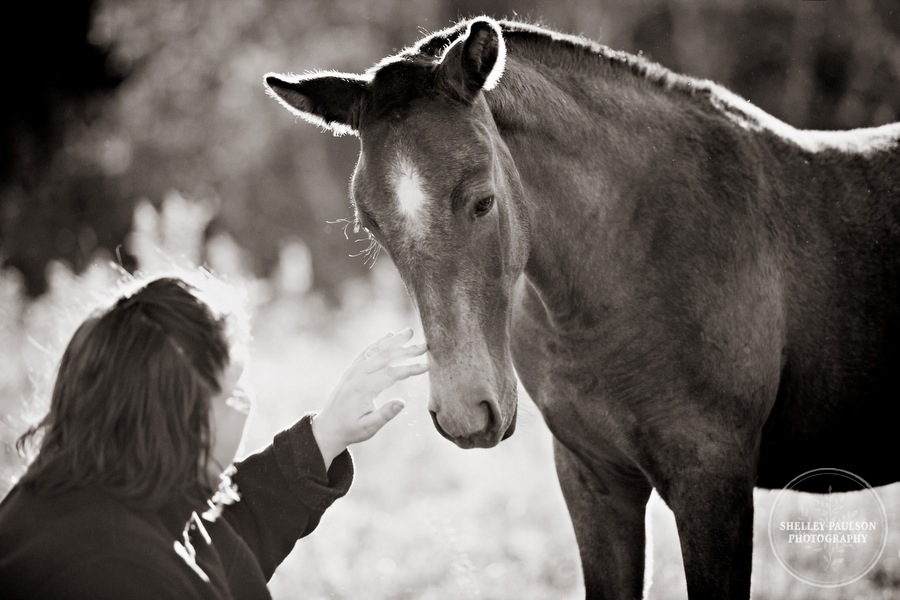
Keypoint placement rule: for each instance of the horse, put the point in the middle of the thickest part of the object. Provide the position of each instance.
(700, 298)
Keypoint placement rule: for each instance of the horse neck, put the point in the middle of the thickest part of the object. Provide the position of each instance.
(582, 144)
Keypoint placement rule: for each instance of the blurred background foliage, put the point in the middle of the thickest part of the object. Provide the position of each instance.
(136, 135)
(115, 102)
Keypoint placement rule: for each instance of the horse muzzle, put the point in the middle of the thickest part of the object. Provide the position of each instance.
(481, 426)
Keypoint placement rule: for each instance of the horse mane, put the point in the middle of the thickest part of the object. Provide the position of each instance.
(579, 53)
(408, 74)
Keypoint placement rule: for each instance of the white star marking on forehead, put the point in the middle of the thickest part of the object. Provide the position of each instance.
(411, 197)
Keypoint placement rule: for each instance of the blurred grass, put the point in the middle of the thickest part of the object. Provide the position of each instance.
(423, 519)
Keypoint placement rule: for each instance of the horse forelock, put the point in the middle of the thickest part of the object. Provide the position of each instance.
(399, 79)
(395, 84)
(434, 45)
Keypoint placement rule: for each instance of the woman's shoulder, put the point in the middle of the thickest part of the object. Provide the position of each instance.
(80, 538)
(64, 515)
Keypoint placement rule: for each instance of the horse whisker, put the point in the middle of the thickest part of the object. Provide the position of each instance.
(373, 248)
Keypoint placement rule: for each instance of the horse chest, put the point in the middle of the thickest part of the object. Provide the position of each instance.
(562, 376)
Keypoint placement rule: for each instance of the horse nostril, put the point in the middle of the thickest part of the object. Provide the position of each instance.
(491, 417)
(438, 427)
(512, 425)
(488, 423)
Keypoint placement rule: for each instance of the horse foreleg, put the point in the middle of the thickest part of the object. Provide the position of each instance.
(607, 501)
(714, 516)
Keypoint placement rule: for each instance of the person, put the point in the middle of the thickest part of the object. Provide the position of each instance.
(132, 493)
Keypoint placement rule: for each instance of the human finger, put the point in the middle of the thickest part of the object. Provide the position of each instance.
(370, 423)
(372, 348)
(372, 384)
(381, 340)
(401, 372)
(398, 339)
(387, 356)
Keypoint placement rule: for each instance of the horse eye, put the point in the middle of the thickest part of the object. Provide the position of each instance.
(368, 221)
(484, 206)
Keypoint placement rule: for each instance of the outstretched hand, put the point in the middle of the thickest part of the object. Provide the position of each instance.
(351, 416)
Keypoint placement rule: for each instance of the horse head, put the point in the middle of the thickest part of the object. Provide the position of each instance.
(435, 185)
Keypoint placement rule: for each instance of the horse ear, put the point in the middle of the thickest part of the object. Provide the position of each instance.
(476, 60)
(331, 100)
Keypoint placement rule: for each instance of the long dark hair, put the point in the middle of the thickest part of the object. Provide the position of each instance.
(129, 412)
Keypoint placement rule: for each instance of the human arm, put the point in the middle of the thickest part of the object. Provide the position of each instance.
(284, 490)
(287, 486)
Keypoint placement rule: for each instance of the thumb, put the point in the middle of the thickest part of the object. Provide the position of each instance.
(391, 408)
(378, 418)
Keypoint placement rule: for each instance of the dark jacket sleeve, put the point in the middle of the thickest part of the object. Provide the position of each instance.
(284, 492)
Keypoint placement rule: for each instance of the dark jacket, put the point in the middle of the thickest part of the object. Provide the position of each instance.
(88, 544)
